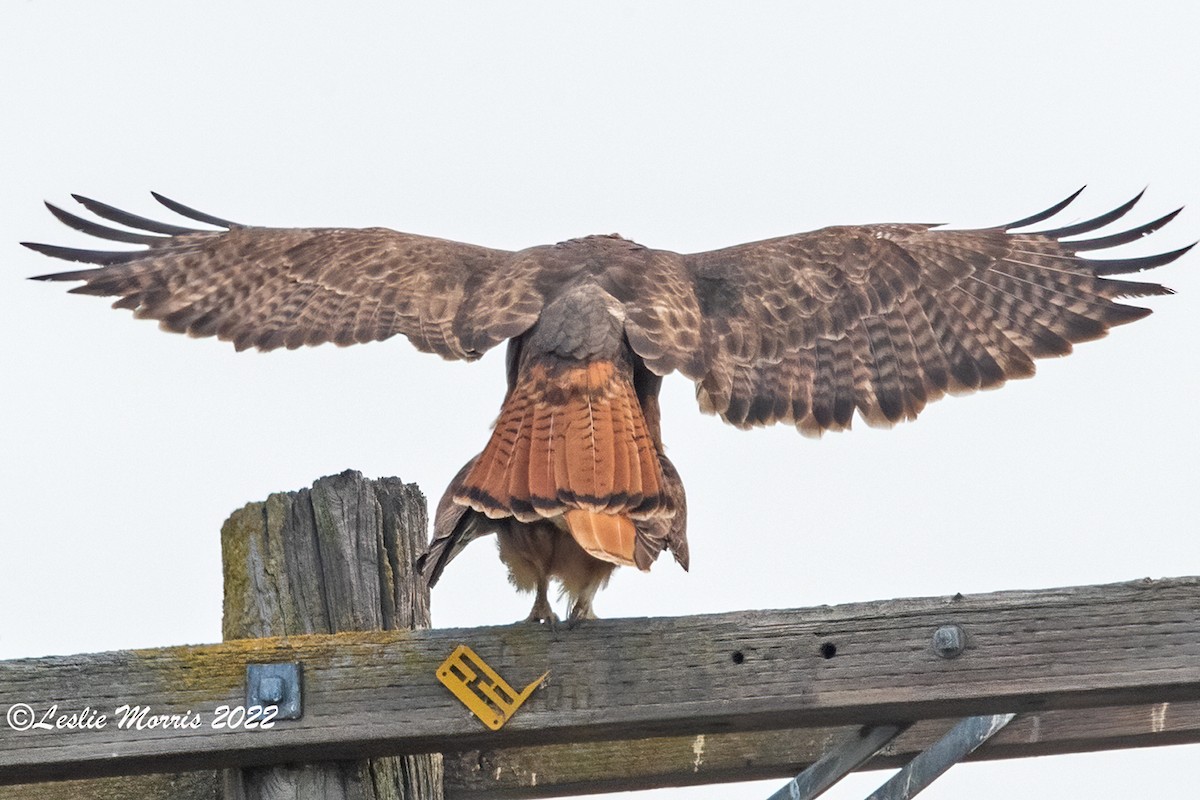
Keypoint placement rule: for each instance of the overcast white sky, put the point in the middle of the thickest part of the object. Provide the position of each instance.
(686, 126)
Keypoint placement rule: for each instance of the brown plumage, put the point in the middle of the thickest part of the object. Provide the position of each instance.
(805, 329)
(572, 440)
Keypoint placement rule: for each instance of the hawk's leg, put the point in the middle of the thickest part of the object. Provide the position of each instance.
(581, 610)
(582, 576)
(542, 612)
(527, 549)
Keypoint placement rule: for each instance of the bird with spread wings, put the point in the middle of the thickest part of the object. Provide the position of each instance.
(803, 329)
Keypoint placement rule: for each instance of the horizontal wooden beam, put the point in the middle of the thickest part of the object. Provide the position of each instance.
(369, 694)
(593, 767)
(563, 769)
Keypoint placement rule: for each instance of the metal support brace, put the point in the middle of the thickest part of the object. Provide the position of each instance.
(960, 742)
(837, 762)
(924, 769)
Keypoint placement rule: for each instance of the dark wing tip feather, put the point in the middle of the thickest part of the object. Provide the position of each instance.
(191, 213)
(1047, 214)
(1095, 222)
(113, 214)
(1129, 314)
(78, 275)
(84, 256)
(1124, 237)
(1122, 266)
(100, 231)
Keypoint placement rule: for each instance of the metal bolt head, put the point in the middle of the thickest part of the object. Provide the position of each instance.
(949, 641)
(279, 685)
(270, 690)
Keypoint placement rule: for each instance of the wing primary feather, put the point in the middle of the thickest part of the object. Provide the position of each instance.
(83, 256)
(1047, 214)
(1121, 266)
(1116, 289)
(132, 220)
(1042, 336)
(822, 385)
(1116, 239)
(936, 364)
(101, 231)
(1094, 223)
(191, 213)
(915, 394)
(843, 398)
(964, 374)
(884, 369)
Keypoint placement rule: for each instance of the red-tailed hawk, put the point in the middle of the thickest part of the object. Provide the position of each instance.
(802, 329)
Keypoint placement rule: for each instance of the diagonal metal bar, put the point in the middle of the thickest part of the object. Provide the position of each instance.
(956, 745)
(837, 762)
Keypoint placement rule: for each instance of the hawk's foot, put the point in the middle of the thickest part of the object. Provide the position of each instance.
(542, 613)
(581, 611)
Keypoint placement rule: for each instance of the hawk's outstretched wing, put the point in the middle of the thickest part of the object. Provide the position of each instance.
(886, 318)
(287, 287)
(801, 329)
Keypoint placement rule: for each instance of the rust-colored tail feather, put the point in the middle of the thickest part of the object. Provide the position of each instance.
(542, 483)
(518, 464)
(608, 537)
(651, 473)
(627, 475)
(572, 439)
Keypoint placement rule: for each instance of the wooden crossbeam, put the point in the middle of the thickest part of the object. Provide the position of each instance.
(376, 693)
(592, 767)
(557, 770)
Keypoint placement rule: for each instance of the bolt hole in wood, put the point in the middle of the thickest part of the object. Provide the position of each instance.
(828, 650)
(738, 657)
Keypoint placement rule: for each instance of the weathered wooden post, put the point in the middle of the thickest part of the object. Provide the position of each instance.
(337, 557)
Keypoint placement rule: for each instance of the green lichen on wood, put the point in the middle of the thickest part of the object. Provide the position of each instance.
(238, 538)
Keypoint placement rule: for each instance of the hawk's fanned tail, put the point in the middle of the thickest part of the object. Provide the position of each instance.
(572, 440)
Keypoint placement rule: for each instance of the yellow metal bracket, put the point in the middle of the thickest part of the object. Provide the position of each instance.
(488, 696)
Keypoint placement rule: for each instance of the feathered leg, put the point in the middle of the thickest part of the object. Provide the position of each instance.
(542, 612)
(527, 549)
